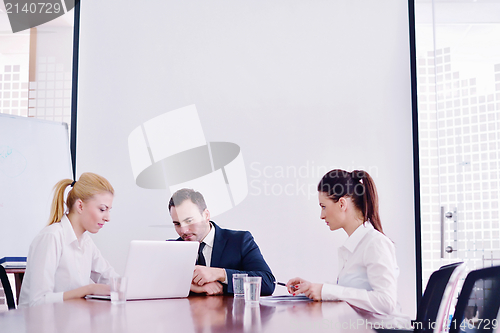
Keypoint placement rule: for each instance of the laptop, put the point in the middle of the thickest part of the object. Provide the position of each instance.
(159, 269)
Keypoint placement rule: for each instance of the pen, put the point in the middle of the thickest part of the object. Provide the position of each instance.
(284, 285)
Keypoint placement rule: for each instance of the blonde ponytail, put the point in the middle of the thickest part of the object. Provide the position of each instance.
(85, 188)
(57, 207)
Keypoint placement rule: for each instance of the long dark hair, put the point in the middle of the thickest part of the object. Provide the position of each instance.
(357, 185)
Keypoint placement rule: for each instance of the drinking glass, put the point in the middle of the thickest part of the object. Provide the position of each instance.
(238, 284)
(252, 287)
(118, 286)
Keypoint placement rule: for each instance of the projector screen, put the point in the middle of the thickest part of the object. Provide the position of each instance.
(249, 102)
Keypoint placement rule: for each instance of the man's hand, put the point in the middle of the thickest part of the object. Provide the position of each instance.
(203, 275)
(211, 288)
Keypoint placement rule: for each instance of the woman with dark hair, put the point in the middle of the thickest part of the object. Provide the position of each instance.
(368, 269)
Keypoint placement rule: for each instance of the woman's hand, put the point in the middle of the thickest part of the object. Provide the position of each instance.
(292, 283)
(300, 286)
(90, 289)
(99, 289)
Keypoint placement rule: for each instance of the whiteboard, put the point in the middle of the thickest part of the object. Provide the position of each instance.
(34, 156)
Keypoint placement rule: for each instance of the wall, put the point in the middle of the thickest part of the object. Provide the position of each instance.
(300, 87)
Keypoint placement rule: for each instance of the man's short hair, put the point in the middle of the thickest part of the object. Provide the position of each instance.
(184, 194)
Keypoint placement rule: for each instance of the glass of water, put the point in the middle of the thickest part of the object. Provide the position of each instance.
(252, 288)
(118, 286)
(238, 281)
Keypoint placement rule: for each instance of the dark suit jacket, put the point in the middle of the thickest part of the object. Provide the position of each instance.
(237, 252)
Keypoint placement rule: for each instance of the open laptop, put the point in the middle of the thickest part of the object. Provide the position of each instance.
(159, 269)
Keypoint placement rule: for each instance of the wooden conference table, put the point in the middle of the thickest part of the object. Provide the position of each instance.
(193, 314)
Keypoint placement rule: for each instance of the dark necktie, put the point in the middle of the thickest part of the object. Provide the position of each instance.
(201, 258)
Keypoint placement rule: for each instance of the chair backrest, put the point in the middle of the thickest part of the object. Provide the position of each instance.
(7, 289)
(450, 295)
(434, 306)
(478, 303)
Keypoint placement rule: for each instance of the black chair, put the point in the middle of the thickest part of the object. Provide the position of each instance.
(7, 289)
(478, 303)
(436, 300)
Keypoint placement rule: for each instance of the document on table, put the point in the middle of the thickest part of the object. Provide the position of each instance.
(284, 299)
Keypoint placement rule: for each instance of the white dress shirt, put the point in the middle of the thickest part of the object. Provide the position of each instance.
(209, 245)
(58, 262)
(368, 272)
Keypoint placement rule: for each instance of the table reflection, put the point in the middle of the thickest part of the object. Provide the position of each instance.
(200, 314)
(101, 316)
(376, 321)
(212, 314)
(310, 316)
(64, 317)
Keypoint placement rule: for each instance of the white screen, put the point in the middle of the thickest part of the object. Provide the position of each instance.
(300, 86)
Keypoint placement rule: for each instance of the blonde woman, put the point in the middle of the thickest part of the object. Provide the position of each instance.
(63, 261)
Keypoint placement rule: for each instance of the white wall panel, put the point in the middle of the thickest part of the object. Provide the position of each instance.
(300, 86)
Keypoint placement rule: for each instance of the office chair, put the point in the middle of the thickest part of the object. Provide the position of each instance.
(478, 303)
(436, 301)
(436, 312)
(7, 289)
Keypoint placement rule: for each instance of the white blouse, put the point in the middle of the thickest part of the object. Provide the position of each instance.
(58, 262)
(368, 272)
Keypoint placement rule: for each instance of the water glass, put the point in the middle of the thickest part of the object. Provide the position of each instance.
(252, 287)
(238, 284)
(118, 286)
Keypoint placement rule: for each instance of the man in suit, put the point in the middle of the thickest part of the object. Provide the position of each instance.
(222, 252)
